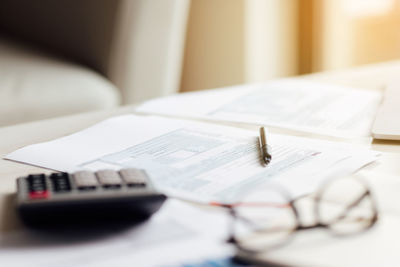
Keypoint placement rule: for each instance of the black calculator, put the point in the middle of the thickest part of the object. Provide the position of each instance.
(86, 197)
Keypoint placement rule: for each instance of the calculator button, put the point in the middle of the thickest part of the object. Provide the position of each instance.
(134, 177)
(109, 178)
(60, 182)
(85, 180)
(39, 194)
(37, 186)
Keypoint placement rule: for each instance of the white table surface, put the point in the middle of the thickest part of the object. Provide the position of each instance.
(377, 247)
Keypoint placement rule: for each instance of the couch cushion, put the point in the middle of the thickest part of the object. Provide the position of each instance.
(37, 86)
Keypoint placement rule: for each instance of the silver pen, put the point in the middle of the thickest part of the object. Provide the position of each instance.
(265, 148)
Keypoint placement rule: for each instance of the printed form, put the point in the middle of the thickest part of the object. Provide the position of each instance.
(198, 161)
(290, 103)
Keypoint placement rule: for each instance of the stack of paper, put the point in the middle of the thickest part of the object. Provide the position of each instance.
(178, 233)
(291, 104)
(200, 161)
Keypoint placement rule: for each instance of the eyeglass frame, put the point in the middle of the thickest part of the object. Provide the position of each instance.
(299, 225)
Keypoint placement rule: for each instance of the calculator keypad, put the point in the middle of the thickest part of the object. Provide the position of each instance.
(41, 186)
(85, 183)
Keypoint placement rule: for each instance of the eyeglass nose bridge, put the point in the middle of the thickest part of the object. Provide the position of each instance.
(317, 225)
(303, 209)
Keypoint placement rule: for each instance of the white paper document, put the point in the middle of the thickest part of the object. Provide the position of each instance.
(175, 235)
(290, 103)
(200, 161)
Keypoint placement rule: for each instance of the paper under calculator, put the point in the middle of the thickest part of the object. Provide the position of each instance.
(86, 197)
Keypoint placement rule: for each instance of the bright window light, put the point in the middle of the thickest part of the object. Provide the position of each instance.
(367, 7)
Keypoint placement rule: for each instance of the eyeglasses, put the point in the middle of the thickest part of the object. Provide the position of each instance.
(267, 219)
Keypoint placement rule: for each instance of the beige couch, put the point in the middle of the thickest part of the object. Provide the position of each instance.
(70, 56)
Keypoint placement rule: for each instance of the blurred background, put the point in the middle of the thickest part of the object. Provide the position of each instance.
(60, 57)
(240, 41)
